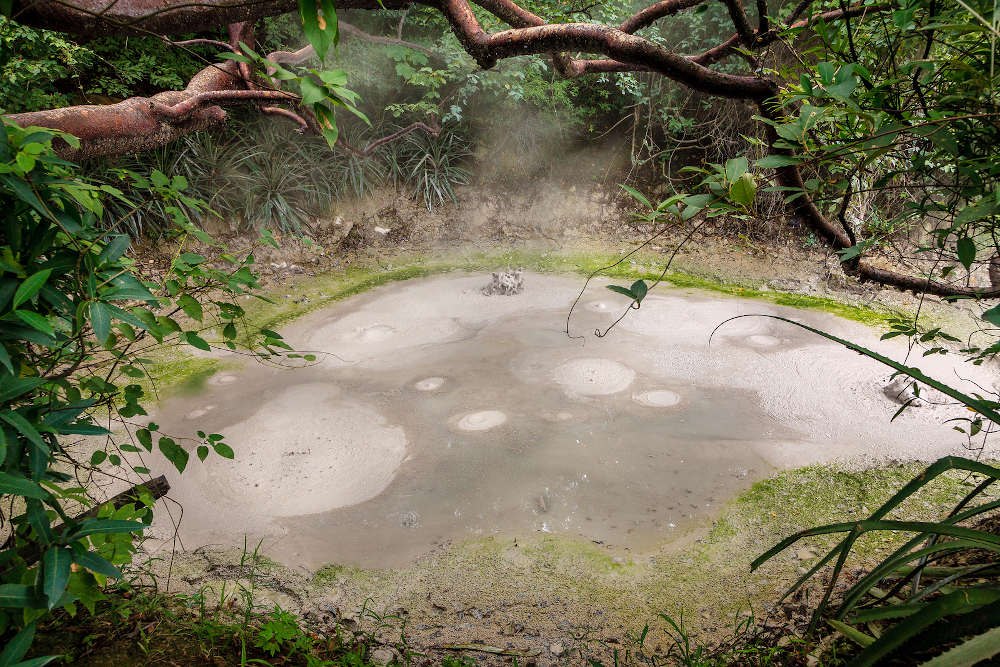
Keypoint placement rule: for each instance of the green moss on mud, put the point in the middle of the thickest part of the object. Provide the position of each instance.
(319, 291)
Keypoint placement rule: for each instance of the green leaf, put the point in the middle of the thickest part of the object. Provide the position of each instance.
(202, 452)
(30, 287)
(100, 321)
(777, 161)
(95, 563)
(223, 450)
(5, 359)
(21, 486)
(736, 167)
(25, 428)
(115, 248)
(174, 453)
(315, 33)
(851, 633)
(311, 93)
(622, 290)
(21, 642)
(195, 340)
(14, 387)
(190, 306)
(98, 457)
(992, 315)
(966, 251)
(36, 321)
(636, 195)
(55, 573)
(743, 190)
(14, 596)
(105, 527)
(971, 652)
(639, 290)
(145, 438)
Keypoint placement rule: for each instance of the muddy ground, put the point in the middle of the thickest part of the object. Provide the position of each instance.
(555, 595)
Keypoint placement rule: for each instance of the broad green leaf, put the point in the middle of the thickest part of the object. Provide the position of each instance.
(95, 563)
(636, 195)
(14, 387)
(195, 340)
(777, 161)
(55, 573)
(145, 438)
(24, 427)
(639, 290)
(174, 453)
(743, 191)
(971, 652)
(36, 321)
(993, 315)
(115, 248)
(21, 486)
(965, 248)
(736, 167)
(202, 452)
(100, 321)
(30, 287)
(105, 527)
(223, 450)
(190, 306)
(18, 646)
(311, 93)
(314, 31)
(98, 457)
(622, 290)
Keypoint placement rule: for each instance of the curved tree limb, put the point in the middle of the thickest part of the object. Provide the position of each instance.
(132, 125)
(96, 18)
(594, 38)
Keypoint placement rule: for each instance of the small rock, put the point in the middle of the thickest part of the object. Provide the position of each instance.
(900, 390)
(383, 656)
(805, 554)
(382, 230)
(557, 649)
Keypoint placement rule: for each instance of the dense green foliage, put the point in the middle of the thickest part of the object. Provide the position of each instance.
(77, 318)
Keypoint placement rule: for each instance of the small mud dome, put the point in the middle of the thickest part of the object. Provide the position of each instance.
(442, 414)
(506, 283)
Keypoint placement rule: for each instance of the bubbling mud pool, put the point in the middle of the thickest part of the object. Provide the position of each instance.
(442, 414)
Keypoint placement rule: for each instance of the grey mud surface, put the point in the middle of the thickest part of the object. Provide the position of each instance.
(436, 414)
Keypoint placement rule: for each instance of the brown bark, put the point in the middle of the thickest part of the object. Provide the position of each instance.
(96, 18)
(133, 124)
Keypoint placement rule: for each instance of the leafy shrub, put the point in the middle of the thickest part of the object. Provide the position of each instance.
(906, 606)
(430, 166)
(74, 313)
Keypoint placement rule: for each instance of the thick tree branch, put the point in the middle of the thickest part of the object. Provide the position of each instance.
(96, 18)
(739, 18)
(183, 110)
(289, 114)
(593, 38)
(132, 125)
